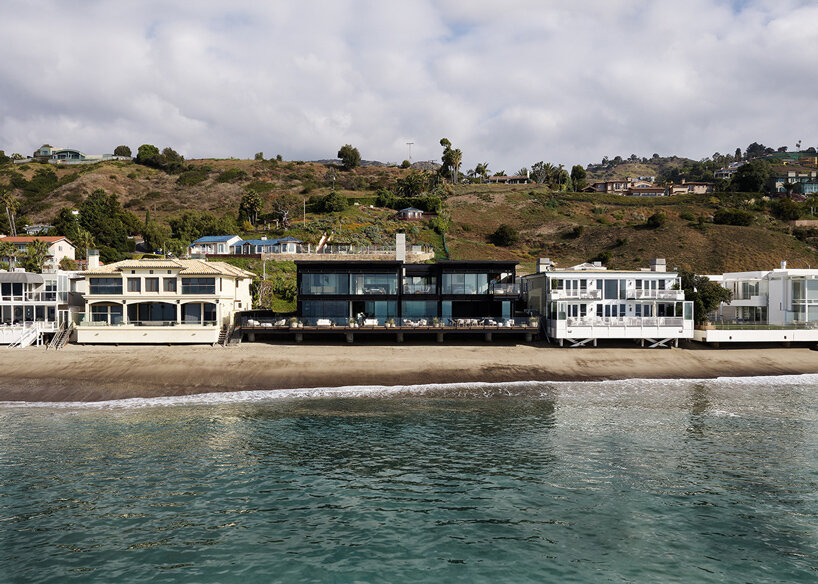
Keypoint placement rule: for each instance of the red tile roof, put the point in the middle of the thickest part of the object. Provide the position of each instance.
(30, 238)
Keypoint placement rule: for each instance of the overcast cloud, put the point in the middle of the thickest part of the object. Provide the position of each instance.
(509, 82)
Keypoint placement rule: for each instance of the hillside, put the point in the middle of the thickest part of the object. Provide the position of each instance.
(567, 227)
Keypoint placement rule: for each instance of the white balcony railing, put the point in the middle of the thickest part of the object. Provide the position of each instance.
(645, 321)
(593, 294)
(655, 294)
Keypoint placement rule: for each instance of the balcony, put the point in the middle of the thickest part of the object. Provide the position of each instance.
(419, 289)
(592, 294)
(643, 322)
(655, 294)
(504, 289)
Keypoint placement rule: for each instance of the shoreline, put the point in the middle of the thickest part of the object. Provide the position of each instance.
(102, 373)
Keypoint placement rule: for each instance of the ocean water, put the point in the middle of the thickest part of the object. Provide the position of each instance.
(633, 481)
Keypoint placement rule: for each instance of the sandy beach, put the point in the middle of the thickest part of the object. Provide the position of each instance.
(86, 373)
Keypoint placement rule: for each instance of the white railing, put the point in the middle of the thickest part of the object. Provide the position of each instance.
(593, 294)
(645, 321)
(655, 294)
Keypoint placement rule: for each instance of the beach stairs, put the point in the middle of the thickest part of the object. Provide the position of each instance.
(224, 334)
(26, 338)
(61, 337)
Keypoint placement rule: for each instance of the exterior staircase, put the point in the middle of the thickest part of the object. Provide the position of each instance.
(224, 334)
(61, 337)
(26, 338)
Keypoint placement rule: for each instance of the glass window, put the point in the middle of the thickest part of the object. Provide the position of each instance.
(374, 283)
(325, 284)
(134, 285)
(170, 284)
(151, 284)
(419, 285)
(419, 309)
(325, 309)
(198, 285)
(105, 286)
(611, 289)
(192, 313)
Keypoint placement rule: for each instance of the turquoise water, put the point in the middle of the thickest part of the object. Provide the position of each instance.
(644, 481)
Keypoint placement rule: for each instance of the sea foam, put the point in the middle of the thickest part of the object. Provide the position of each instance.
(610, 389)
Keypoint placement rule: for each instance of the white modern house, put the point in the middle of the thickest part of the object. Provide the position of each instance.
(588, 302)
(32, 306)
(213, 245)
(161, 301)
(779, 305)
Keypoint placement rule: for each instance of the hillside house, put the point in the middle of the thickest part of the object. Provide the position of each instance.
(59, 247)
(410, 214)
(213, 245)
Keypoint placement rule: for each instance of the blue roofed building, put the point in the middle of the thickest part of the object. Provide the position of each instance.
(214, 245)
(260, 246)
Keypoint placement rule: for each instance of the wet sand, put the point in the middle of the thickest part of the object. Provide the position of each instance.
(94, 373)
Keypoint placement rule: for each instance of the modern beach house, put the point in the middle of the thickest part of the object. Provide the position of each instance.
(586, 303)
(161, 301)
(778, 305)
(32, 306)
(353, 297)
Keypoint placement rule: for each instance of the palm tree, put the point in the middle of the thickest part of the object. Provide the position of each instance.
(482, 170)
(36, 254)
(7, 198)
(84, 240)
(10, 251)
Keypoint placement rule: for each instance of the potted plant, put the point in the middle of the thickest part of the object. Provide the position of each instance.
(293, 322)
(435, 321)
(533, 321)
(390, 323)
(351, 323)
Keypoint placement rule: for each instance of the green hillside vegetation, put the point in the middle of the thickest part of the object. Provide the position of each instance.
(170, 201)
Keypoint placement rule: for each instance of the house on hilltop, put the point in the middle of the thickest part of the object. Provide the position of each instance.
(59, 247)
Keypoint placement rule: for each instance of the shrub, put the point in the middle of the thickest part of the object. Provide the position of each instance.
(505, 236)
(231, 174)
(785, 209)
(577, 231)
(405, 164)
(656, 220)
(603, 257)
(191, 177)
(733, 217)
(687, 216)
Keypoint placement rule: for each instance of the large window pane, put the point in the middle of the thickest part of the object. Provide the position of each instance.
(374, 284)
(419, 309)
(198, 285)
(325, 284)
(611, 289)
(105, 286)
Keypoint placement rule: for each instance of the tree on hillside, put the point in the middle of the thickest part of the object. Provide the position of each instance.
(737, 156)
(751, 177)
(578, 176)
(155, 235)
(541, 172)
(84, 241)
(285, 207)
(122, 151)
(504, 236)
(452, 157)
(250, 206)
(3, 158)
(109, 224)
(349, 156)
(482, 170)
(705, 295)
(11, 204)
(146, 152)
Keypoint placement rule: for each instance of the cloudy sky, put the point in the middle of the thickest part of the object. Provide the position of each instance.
(508, 82)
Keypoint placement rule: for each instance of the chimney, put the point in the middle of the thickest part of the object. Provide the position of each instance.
(400, 246)
(544, 265)
(658, 265)
(784, 265)
(93, 259)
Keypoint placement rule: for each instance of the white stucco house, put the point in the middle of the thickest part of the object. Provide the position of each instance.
(161, 301)
(214, 245)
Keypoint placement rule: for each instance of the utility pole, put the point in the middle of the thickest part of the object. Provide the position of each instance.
(410, 150)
